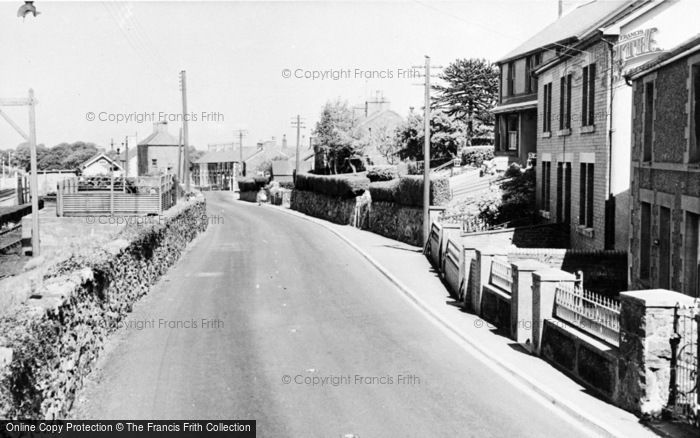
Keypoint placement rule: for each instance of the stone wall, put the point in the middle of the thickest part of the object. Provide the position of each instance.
(591, 362)
(50, 343)
(344, 211)
(397, 222)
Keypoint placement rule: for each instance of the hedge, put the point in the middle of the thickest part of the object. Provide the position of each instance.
(382, 173)
(345, 185)
(384, 190)
(476, 155)
(252, 184)
(408, 191)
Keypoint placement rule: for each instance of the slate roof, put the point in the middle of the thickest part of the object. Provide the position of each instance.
(572, 26)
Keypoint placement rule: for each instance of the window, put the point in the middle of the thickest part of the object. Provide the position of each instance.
(588, 96)
(664, 248)
(694, 155)
(564, 192)
(512, 132)
(648, 120)
(510, 82)
(565, 102)
(586, 192)
(154, 162)
(690, 259)
(547, 110)
(530, 79)
(546, 184)
(645, 242)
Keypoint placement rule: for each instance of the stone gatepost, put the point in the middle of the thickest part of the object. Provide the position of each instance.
(482, 273)
(521, 300)
(544, 285)
(646, 327)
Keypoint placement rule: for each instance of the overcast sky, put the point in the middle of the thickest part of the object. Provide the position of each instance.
(112, 58)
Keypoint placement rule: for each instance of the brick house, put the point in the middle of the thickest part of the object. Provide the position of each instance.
(665, 195)
(584, 113)
(516, 127)
(159, 152)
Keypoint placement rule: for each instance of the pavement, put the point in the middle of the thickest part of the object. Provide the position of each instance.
(410, 271)
(273, 317)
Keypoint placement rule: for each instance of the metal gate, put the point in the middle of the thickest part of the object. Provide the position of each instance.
(683, 400)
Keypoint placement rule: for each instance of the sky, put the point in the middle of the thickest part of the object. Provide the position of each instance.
(119, 62)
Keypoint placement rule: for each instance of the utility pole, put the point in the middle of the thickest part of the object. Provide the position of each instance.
(241, 133)
(183, 87)
(126, 157)
(298, 124)
(34, 178)
(179, 157)
(426, 151)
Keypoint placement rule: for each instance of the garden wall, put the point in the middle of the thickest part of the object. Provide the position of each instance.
(397, 222)
(345, 211)
(50, 343)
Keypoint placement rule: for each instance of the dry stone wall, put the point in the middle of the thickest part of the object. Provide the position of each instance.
(50, 344)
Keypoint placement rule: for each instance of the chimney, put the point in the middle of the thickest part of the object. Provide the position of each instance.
(160, 126)
(560, 4)
(284, 141)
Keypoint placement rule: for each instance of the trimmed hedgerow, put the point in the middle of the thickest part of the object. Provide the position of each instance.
(252, 184)
(382, 173)
(408, 191)
(476, 155)
(384, 191)
(346, 185)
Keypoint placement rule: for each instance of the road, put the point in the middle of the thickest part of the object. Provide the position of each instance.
(286, 297)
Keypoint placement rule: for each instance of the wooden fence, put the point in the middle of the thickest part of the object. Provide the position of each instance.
(147, 195)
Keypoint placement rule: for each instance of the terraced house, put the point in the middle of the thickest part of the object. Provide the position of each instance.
(585, 109)
(664, 245)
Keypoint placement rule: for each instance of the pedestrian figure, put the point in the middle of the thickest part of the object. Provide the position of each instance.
(261, 196)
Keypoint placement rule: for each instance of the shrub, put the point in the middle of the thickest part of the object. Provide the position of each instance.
(514, 202)
(384, 191)
(382, 173)
(410, 191)
(476, 155)
(252, 184)
(345, 185)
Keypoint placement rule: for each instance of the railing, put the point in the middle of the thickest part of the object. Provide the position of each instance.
(502, 274)
(684, 397)
(588, 311)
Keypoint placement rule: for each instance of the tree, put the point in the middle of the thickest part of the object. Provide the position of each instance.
(337, 136)
(386, 146)
(470, 93)
(446, 138)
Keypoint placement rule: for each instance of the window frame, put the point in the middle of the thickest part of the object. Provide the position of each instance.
(588, 95)
(648, 118)
(547, 108)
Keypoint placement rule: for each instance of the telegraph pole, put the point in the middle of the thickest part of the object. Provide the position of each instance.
(241, 133)
(126, 156)
(426, 150)
(183, 87)
(426, 155)
(34, 178)
(298, 124)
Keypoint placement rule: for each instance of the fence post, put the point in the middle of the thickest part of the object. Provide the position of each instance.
(544, 284)
(521, 299)
(646, 330)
